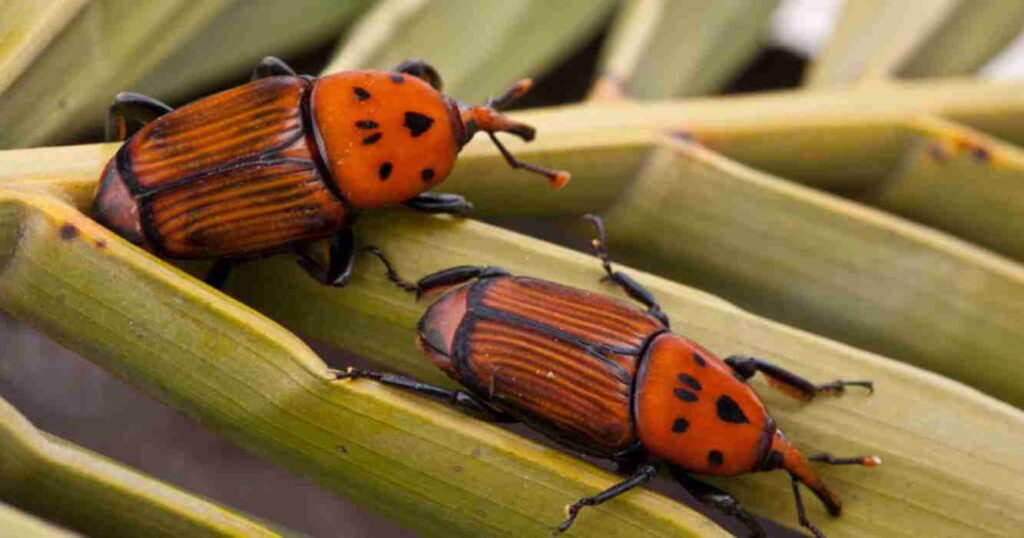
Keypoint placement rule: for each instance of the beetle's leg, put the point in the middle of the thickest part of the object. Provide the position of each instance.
(422, 70)
(720, 500)
(340, 259)
(457, 398)
(445, 278)
(640, 477)
(431, 202)
(272, 67)
(129, 112)
(218, 273)
(788, 382)
(633, 288)
(801, 514)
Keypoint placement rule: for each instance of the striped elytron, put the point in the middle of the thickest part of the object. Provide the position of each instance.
(604, 377)
(285, 160)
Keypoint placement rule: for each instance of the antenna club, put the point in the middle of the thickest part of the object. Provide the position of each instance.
(560, 178)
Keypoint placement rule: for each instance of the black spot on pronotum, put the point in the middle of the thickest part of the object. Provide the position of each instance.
(417, 123)
(396, 78)
(680, 425)
(68, 232)
(729, 411)
(715, 458)
(690, 381)
(427, 174)
(372, 139)
(384, 171)
(361, 93)
(101, 243)
(685, 395)
(698, 359)
(366, 124)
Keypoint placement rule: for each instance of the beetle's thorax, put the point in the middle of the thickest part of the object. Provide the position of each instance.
(691, 411)
(385, 137)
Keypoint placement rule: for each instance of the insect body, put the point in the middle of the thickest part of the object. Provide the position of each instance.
(284, 160)
(607, 378)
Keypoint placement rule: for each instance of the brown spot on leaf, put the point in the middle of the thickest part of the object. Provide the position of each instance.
(981, 154)
(68, 232)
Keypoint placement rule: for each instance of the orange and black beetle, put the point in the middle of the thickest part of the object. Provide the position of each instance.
(285, 160)
(604, 377)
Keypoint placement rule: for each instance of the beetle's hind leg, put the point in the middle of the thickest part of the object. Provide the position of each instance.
(633, 288)
(272, 66)
(218, 273)
(640, 477)
(130, 112)
(444, 278)
(788, 382)
(457, 398)
(722, 501)
(341, 258)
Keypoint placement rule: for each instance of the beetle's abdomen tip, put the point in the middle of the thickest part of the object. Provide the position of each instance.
(115, 208)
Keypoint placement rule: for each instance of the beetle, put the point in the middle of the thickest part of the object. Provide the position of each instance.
(285, 160)
(609, 379)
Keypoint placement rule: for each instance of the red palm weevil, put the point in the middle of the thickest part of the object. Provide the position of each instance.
(284, 160)
(609, 379)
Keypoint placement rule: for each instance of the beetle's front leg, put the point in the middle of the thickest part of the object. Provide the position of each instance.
(340, 259)
(457, 398)
(421, 70)
(433, 202)
(720, 500)
(788, 382)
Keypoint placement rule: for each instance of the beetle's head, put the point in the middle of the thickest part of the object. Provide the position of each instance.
(467, 120)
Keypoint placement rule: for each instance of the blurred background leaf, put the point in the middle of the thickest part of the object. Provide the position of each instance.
(665, 48)
(496, 43)
(85, 491)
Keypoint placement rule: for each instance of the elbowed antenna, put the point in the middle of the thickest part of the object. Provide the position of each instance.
(488, 119)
